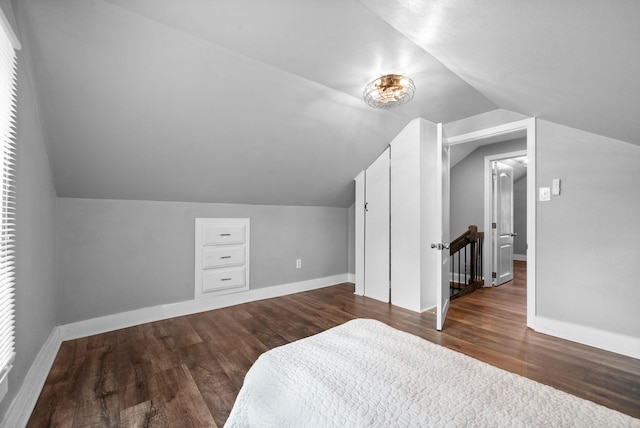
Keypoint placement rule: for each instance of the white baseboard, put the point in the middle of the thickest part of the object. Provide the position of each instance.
(351, 277)
(520, 257)
(462, 278)
(618, 343)
(428, 308)
(19, 411)
(21, 407)
(140, 316)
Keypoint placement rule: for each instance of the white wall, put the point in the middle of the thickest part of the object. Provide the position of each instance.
(413, 156)
(35, 309)
(115, 256)
(406, 228)
(588, 236)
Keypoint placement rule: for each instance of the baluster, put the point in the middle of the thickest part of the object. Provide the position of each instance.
(474, 261)
(481, 257)
(458, 283)
(466, 281)
(452, 277)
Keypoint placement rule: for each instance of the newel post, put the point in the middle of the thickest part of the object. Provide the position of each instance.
(473, 238)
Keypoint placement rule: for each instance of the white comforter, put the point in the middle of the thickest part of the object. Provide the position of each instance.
(367, 374)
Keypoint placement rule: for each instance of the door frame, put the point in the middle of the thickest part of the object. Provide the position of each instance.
(487, 256)
(525, 127)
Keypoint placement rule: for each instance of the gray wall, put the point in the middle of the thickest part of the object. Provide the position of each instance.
(587, 237)
(35, 309)
(520, 216)
(114, 256)
(467, 186)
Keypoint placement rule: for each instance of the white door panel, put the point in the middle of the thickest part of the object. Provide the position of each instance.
(376, 269)
(359, 233)
(503, 219)
(440, 203)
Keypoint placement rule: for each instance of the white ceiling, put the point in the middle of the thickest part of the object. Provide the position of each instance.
(260, 102)
(574, 62)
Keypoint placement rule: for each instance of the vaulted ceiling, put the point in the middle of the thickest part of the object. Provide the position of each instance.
(260, 102)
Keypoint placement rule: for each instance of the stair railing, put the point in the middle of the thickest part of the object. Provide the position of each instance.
(466, 262)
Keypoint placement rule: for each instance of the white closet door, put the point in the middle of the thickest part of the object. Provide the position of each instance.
(360, 233)
(376, 269)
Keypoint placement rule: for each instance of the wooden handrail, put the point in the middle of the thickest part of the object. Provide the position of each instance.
(470, 235)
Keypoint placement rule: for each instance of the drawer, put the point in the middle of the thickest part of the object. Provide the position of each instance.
(216, 257)
(222, 279)
(222, 235)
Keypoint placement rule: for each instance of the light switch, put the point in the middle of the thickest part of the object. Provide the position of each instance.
(545, 194)
(555, 187)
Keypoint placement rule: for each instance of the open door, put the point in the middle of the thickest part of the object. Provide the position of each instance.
(440, 201)
(503, 233)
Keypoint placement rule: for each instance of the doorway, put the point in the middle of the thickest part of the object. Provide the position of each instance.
(520, 129)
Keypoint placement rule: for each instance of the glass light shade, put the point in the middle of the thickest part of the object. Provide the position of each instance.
(390, 90)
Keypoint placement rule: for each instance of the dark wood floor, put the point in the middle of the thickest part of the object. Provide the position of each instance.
(187, 371)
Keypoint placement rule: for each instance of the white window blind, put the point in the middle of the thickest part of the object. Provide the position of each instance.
(7, 196)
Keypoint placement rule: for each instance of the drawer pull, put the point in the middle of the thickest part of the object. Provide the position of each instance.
(225, 257)
(225, 279)
(225, 234)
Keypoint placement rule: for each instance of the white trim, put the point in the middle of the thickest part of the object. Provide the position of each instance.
(19, 411)
(614, 342)
(351, 277)
(520, 257)
(430, 308)
(156, 313)
(455, 277)
(486, 133)
(531, 222)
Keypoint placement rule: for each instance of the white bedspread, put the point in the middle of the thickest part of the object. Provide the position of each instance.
(367, 374)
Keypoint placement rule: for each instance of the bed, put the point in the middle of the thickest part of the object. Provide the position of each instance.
(366, 374)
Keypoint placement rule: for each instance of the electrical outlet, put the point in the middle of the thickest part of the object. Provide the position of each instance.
(298, 263)
(545, 194)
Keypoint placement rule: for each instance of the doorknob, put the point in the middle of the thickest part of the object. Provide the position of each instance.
(514, 235)
(439, 246)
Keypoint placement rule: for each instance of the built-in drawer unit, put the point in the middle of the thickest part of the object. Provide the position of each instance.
(222, 256)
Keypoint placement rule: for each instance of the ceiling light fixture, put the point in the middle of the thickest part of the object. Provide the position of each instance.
(390, 90)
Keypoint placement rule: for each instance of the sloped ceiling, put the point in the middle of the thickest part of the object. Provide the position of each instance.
(260, 101)
(573, 62)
